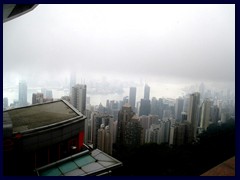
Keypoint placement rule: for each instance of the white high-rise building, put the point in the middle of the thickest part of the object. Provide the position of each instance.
(205, 114)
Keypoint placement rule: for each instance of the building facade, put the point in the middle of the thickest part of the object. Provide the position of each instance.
(40, 134)
(22, 94)
(132, 97)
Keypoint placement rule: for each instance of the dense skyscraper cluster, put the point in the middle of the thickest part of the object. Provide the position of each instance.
(132, 122)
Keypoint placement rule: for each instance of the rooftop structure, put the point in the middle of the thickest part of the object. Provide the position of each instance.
(85, 163)
(40, 116)
(48, 139)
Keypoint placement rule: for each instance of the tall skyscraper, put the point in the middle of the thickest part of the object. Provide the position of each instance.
(5, 103)
(100, 135)
(124, 116)
(22, 93)
(158, 132)
(108, 140)
(48, 94)
(78, 97)
(178, 109)
(99, 120)
(78, 100)
(133, 132)
(145, 107)
(155, 108)
(205, 114)
(104, 142)
(186, 104)
(193, 112)
(72, 81)
(214, 114)
(132, 97)
(146, 92)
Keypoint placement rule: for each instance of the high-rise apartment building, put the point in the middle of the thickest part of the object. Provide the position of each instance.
(105, 139)
(129, 129)
(100, 135)
(193, 112)
(72, 81)
(155, 106)
(78, 97)
(145, 107)
(132, 98)
(101, 121)
(178, 109)
(158, 133)
(37, 98)
(5, 103)
(146, 92)
(49, 94)
(78, 100)
(177, 134)
(22, 94)
(186, 104)
(214, 114)
(205, 114)
(133, 132)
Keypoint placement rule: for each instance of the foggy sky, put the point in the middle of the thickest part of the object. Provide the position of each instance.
(188, 42)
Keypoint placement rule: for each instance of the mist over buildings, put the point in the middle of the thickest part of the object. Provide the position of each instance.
(179, 43)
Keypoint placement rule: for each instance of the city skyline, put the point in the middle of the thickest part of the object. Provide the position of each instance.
(90, 88)
(167, 45)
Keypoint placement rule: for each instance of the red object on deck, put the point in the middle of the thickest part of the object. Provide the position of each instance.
(18, 136)
(80, 139)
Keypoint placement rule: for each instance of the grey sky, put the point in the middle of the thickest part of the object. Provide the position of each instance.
(188, 42)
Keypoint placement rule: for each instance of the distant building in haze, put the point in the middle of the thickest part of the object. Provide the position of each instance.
(132, 98)
(146, 92)
(158, 133)
(214, 114)
(5, 103)
(22, 94)
(178, 109)
(205, 114)
(181, 133)
(72, 81)
(47, 93)
(145, 107)
(129, 130)
(37, 98)
(193, 112)
(99, 122)
(133, 132)
(78, 100)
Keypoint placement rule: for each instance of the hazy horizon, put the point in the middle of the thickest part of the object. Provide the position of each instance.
(167, 46)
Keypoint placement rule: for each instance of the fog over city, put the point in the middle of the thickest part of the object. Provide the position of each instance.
(170, 47)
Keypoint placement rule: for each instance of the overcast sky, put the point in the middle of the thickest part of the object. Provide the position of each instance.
(184, 42)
